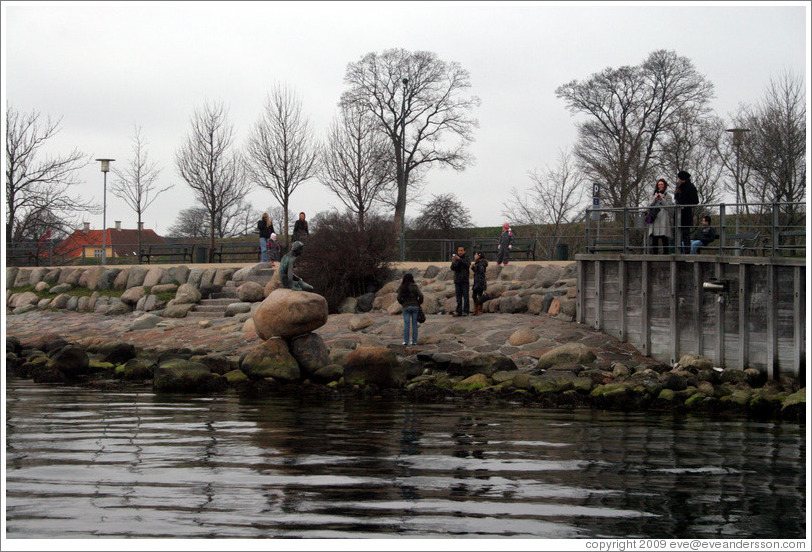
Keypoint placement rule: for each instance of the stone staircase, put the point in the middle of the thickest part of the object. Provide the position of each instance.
(215, 306)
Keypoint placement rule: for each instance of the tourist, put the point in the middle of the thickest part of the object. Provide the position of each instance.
(274, 249)
(505, 245)
(265, 227)
(658, 217)
(300, 231)
(461, 265)
(410, 296)
(703, 235)
(479, 268)
(686, 196)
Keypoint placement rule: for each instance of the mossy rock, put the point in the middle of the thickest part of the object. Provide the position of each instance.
(695, 400)
(551, 386)
(473, 383)
(794, 407)
(666, 395)
(235, 377)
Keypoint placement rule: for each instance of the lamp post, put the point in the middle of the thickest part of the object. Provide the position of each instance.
(738, 138)
(405, 81)
(105, 168)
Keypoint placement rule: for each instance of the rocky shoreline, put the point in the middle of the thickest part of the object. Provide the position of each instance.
(516, 352)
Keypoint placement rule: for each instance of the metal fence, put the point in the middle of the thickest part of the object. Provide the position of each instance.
(754, 229)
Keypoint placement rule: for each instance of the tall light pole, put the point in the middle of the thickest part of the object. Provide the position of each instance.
(105, 168)
(405, 81)
(738, 139)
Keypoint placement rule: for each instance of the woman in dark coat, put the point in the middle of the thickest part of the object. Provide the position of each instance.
(410, 296)
(685, 196)
(479, 268)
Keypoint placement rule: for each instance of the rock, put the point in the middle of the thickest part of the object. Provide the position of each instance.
(72, 304)
(348, 305)
(178, 274)
(117, 308)
(394, 308)
(259, 273)
(24, 308)
(359, 322)
(473, 383)
(117, 353)
(11, 275)
(569, 353)
(136, 369)
(250, 292)
(233, 309)
(153, 276)
(23, 277)
(236, 378)
(25, 298)
(47, 343)
(373, 365)
(794, 406)
(555, 307)
(528, 272)
(163, 288)
(136, 276)
(218, 364)
(204, 324)
(194, 278)
(91, 278)
(310, 352)
(431, 271)
(365, 302)
(271, 359)
(185, 376)
(484, 363)
(52, 276)
(288, 313)
(732, 375)
(187, 294)
(60, 288)
(41, 286)
(107, 279)
(513, 304)
(673, 382)
(695, 362)
(249, 326)
(120, 281)
(145, 322)
(60, 301)
(177, 311)
(522, 336)
(223, 275)
(44, 303)
(326, 374)
(82, 305)
(70, 360)
(133, 295)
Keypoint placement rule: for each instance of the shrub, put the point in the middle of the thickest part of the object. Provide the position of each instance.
(340, 260)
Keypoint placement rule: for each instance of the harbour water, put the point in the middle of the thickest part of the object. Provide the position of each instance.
(86, 463)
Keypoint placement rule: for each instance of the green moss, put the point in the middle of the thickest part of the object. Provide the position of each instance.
(799, 397)
(666, 395)
(609, 389)
(695, 399)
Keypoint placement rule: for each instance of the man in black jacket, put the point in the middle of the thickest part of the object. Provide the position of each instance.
(460, 264)
(685, 196)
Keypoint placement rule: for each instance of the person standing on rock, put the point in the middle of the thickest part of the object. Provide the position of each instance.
(461, 265)
(265, 227)
(287, 277)
(300, 231)
(479, 267)
(410, 296)
(505, 245)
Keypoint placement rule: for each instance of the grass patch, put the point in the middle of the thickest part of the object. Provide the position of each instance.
(76, 292)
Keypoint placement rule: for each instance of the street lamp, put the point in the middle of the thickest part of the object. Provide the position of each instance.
(105, 168)
(405, 81)
(738, 139)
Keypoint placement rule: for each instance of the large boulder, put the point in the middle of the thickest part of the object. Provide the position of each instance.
(310, 352)
(117, 353)
(250, 292)
(25, 298)
(178, 274)
(569, 353)
(91, 278)
(522, 336)
(107, 279)
(548, 275)
(70, 360)
(133, 295)
(487, 364)
(153, 276)
(288, 313)
(137, 275)
(187, 294)
(120, 281)
(271, 359)
(23, 277)
(180, 375)
(374, 365)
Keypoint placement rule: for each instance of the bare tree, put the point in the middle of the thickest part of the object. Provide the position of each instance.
(418, 101)
(628, 109)
(136, 184)
(208, 164)
(281, 150)
(554, 199)
(37, 183)
(694, 145)
(444, 212)
(775, 147)
(356, 165)
(191, 223)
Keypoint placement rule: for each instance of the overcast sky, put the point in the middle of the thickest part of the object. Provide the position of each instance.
(105, 67)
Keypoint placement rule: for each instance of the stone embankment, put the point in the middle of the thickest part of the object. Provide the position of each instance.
(525, 348)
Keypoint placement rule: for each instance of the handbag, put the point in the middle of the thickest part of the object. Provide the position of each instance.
(421, 316)
(651, 215)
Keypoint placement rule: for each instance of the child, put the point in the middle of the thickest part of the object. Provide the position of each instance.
(274, 249)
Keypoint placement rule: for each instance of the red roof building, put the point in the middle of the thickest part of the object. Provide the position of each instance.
(121, 242)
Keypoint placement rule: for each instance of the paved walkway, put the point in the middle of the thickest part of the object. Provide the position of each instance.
(462, 337)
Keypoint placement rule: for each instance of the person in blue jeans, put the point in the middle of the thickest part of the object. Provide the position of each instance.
(703, 235)
(461, 266)
(265, 227)
(410, 296)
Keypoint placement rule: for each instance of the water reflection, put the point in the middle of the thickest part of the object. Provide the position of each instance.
(83, 464)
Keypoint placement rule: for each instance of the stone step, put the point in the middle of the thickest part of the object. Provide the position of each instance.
(203, 314)
(221, 301)
(208, 308)
(225, 293)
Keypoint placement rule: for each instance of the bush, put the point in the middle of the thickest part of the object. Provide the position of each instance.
(340, 260)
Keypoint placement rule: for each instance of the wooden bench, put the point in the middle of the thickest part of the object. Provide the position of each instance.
(183, 252)
(744, 243)
(238, 250)
(793, 248)
(490, 248)
(615, 244)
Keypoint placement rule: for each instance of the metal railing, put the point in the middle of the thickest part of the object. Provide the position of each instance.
(753, 229)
